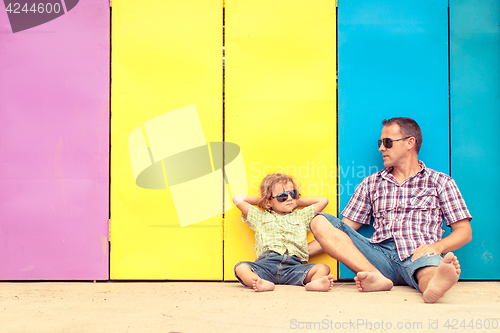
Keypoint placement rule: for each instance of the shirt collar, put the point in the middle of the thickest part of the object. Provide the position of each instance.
(270, 210)
(424, 169)
(386, 172)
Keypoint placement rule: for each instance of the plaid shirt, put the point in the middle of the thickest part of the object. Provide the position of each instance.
(280, 232)
(412, 213)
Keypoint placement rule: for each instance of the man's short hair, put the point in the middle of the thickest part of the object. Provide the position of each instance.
(407, 127)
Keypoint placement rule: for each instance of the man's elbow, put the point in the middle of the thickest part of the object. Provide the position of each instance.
(469, 236)
(469, 233)
(465, 230)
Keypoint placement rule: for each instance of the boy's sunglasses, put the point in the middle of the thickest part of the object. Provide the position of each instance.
(283, 196)
(388, 142)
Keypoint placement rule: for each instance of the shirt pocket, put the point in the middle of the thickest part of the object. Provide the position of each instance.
(383, 203)
(268, 229)
(294, 227)
(424, 199)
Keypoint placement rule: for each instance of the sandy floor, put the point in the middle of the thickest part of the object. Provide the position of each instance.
(229, 307)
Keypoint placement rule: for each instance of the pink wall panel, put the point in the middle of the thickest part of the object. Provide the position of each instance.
(54, 145)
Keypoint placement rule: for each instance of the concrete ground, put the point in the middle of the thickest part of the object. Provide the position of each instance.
(228, 307)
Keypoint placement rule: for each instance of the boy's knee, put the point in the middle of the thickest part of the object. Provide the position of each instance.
(325, 269)
(240, 267)
(320, 269)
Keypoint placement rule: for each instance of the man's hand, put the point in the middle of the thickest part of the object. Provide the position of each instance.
(425, 249)
(461, 235)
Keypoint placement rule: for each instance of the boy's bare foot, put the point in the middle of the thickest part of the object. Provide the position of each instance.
(262, 285)
(372, 281)
(323, 284)
(446, 276)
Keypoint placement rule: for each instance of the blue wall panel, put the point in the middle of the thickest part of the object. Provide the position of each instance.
(393, 61)
(475, 114)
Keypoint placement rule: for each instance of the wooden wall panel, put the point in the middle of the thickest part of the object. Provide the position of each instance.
(166, 198)
(475, 120)
(393, 62)
(54, 130)
(280, 103)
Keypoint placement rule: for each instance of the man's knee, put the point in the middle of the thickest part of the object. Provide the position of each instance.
(318, 223)
(321, 222)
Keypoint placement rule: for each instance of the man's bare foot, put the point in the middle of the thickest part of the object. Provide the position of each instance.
(323, 284)
(446, 276)
(262, 285)
(372, 281)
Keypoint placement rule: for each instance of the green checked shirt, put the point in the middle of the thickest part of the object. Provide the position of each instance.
(280, 232)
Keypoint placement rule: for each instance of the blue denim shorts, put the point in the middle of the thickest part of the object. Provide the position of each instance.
(384, 256)
(278, 269)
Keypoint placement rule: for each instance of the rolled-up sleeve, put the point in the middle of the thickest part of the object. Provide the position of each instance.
(452, 203)
(359, 208)
(253, 215)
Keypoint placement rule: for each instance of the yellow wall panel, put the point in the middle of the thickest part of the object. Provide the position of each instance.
(280, 103)
(166, 101)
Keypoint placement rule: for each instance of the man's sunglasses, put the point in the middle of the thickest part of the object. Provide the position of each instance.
(283, 196)
(388, 142)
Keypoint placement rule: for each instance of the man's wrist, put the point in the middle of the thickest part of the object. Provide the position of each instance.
(440, 247)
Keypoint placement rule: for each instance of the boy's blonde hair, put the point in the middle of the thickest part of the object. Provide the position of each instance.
(267, 185)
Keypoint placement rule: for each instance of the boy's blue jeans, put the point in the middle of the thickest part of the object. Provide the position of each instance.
(384, 256)
(278, 269)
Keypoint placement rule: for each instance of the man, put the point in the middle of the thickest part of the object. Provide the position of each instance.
(408, 203)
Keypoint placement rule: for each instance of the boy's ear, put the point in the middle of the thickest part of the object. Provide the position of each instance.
(266, 203)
